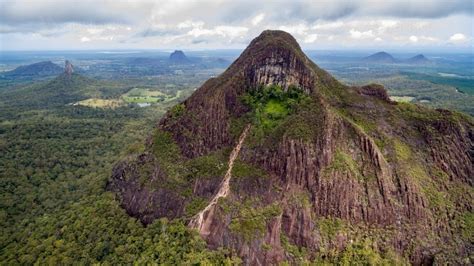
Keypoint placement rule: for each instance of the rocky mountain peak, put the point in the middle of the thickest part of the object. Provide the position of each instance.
(275, 57)
(68, 68)
(275, 38)
(317, 168)
(178, 57)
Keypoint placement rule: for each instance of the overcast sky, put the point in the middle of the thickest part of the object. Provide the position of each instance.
(194, 25)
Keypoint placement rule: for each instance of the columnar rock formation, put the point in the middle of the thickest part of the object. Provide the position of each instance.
(348, 167)
(68, 68)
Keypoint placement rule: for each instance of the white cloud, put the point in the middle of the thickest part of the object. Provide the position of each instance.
(428, 38)
(190, 24)
(384, 25)
(322, 24)
(328, 25)
(85, 39)
(95, 30)
(311, 38)
(197, 32)
(257, 19)
(224, 31)
(295, 29)
(231, 31)
(420, 24)
(458, 37)
(355, 34)
(413, 38)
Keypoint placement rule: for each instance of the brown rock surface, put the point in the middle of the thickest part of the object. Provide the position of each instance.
(399, 175)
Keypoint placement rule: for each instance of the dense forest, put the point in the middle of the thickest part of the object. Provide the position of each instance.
(55, 160)
(57, 157)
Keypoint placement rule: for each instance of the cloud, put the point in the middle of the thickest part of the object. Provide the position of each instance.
(355, 34)
(219, 23)
(157, 31)
(384, 25)
(413, 38)
(428, 38)
(300, 29)
(190, 24)
(257, 19)
(458, 37)
(73, 11)
(224, 31)
(328, 25)
(111, 11)
(311, 38)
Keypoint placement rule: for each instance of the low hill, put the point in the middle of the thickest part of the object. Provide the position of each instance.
(380, 57)
(40, 69)
(68, 87)
(418, 60)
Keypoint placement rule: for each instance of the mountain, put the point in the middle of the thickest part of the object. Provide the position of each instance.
(40, 69)
(68, 87)
(275, 160)
(380, 57)
(418, 60)
(68, 68)
(178, 57)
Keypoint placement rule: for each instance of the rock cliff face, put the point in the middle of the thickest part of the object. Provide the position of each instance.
(68, 68)
(348, 170)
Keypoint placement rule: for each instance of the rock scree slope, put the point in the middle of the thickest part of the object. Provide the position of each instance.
(326, 172)
(199, 221)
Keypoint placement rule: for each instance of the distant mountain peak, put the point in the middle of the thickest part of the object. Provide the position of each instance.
(68, 68)
(380, 57)
(177, 53)
(39, 70)
(418, 59)
(178, 57)
(419, 56)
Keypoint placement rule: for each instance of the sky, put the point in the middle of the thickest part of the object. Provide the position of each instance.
(224, 24)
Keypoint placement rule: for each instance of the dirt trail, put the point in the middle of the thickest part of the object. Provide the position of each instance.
(198, 221)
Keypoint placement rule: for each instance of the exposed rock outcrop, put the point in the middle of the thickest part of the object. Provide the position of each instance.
(347, 167)
(374, 90)
(68, 68)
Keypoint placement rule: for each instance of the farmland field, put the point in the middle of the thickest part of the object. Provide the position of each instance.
(141, 95)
